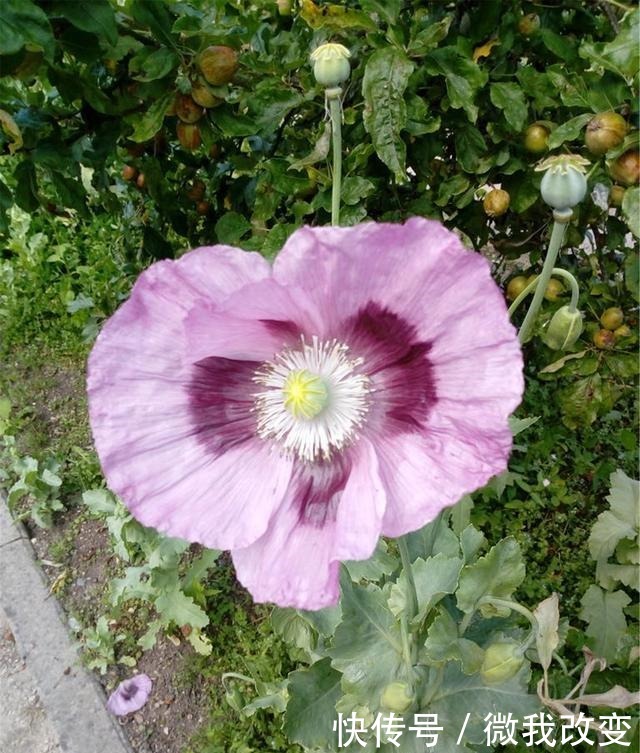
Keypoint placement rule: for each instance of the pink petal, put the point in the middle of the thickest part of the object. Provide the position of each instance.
(296, 562)
(424, 473)
(154, 451)
(130, 695)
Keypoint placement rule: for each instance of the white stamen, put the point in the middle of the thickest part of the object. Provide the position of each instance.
(347, 400)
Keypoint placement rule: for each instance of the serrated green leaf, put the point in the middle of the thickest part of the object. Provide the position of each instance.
(380, 563)
(509, 98)
(176, 607)
(293, 628)
(428, 38)
(603, 611)
(367, 646)
(460, 695)
(497, 574)
(385, 79)
(443, 645)
(434, 538)
(607, 531)
(569, 130)
(231, 227)
(622, 55)
(434, 578)
(310, 713)
(471, 542)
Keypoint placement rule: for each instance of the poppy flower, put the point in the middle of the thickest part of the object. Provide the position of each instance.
(294, 412)
(130, 695)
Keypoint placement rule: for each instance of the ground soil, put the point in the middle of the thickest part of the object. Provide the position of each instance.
(78, 560)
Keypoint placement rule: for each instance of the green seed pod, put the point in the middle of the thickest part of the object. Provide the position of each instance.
(563, 184)
(396, 697)
(564, 329)
(331, 64)
(501, 662)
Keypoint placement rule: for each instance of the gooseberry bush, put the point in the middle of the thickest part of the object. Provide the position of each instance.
(202, 122)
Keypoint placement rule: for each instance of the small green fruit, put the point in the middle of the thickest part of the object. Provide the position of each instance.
(396, 697)
(564, 329)
(516, 286)
(529, 24)
(501, 662)
(612, 318)
(536, 139)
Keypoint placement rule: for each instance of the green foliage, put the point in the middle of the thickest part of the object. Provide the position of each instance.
(616, 533)
(355, 652)
(447, 90)
(161, 573)
(33, 485)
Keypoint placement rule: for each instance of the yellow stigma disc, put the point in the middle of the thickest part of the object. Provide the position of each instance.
(305, 395)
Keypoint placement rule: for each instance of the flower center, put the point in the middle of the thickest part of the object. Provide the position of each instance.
(305, 394)
(313, 399)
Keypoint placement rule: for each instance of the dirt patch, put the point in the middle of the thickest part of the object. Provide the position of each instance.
(78, 561)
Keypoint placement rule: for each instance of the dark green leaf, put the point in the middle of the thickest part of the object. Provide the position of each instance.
(24, 23)
(631, 209)
(147, 124)
(96, 16)
(560, 46)
(156, 17)
(385, 115)
(149, 65)
(429, 38)
(632, 274)
(26, 192)
(569, 130)
(509, 98)
(464, 78)
(470, 147)
(622, 55)
(231, 227)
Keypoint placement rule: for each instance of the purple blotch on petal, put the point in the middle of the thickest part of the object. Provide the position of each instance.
(221, 402)
(317, 487)
(398, 363)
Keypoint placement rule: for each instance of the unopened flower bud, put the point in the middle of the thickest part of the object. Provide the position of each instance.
(501, 662)
(331, 64)
(396, 697)
(563, 184)
(564, 328)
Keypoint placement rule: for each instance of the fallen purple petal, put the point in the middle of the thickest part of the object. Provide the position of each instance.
(130, 695)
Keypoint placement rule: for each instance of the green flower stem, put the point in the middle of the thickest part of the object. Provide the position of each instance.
(555, 272)
(506, 604)
(236, 676)
(575, 290)
(335, 111)
(412, 605)
(561, 218)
